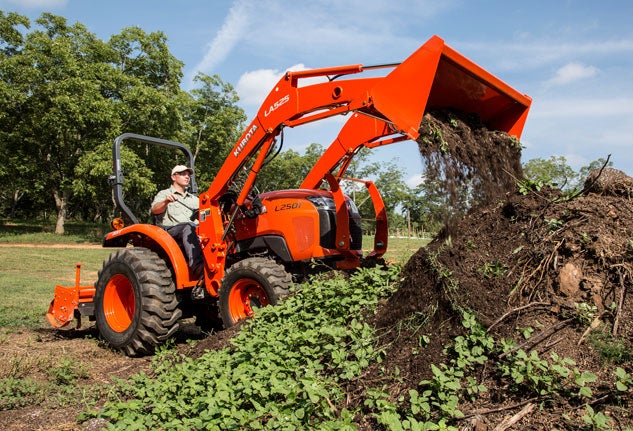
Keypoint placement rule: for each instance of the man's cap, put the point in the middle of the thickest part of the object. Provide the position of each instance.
(181, 168)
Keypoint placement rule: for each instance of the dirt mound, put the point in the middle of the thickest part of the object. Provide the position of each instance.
(548, 272)
(609, 181)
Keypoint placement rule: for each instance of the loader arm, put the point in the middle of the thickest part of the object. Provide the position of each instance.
(397, 100)
(385, 110)
(449, 80)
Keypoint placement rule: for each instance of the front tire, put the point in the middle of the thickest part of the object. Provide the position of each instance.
(135, 301)
(250, 284)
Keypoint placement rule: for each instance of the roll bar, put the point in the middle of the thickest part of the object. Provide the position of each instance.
(116, 179)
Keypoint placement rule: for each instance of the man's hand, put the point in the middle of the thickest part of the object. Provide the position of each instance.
(172, 197)
(160, 207)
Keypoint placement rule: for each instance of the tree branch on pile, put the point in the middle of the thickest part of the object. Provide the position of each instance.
(515, 310)
(616, 322)
(533, 341)
(593, 182)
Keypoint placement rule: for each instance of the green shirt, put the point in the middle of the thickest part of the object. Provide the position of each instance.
(176, 212)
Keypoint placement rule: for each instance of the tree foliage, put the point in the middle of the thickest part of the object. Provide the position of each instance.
(556, 172)
(65, 95)
(288, 169)
(214, 124)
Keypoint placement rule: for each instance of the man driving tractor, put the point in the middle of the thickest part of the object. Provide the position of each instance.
(176, 211)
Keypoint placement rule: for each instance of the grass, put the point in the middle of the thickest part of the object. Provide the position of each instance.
(398, 249)
(28, 232)
(28, 274)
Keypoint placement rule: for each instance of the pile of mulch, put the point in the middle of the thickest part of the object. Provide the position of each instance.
(516, 261)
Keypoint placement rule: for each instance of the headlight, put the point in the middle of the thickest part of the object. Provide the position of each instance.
(322, 202)
(117, 223)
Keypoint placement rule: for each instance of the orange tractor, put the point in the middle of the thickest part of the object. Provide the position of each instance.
(254, 245)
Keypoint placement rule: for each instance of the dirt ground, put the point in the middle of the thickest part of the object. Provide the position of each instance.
(520, 262)
(30, 355)
(27, 355)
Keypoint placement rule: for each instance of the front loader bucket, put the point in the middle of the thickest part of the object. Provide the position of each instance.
(433, 77)
(69, 301)
(436, 76)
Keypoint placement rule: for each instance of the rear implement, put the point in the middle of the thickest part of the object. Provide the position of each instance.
(71, 302)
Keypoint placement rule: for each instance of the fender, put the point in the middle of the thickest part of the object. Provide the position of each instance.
(157, 240)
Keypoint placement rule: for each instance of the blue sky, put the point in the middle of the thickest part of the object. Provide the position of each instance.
(574, 58)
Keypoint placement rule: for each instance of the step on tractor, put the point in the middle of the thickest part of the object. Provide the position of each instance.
(254, 245)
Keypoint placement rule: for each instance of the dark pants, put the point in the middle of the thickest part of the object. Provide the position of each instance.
(185, 236)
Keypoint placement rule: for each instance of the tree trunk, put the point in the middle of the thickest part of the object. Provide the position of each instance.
(17, 195)
(61, 202)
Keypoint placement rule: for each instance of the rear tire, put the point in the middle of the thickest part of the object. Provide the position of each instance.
(250, 284)
(135, 301)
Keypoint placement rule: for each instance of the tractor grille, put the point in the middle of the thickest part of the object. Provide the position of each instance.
(327, 225)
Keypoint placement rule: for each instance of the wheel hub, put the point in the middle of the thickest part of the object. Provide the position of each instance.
(119, 303)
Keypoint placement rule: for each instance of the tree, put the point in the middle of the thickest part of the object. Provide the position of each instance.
(214, 124)
(144, 88)
(428, 206)
(554, 171)
(65, 95)
(288, 169)
(91, 183)
(147, 87)
(388, 178)
(210, 121)
(62, 111)
(13, 89)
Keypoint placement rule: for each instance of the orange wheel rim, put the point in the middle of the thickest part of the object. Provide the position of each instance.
(119, 303)
(246, 296)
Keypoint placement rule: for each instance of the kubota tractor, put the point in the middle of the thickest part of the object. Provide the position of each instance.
(253, 245)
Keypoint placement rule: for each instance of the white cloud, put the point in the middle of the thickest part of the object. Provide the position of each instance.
(254, 86)
(229, 35)
(415, 180)
(573, 72)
